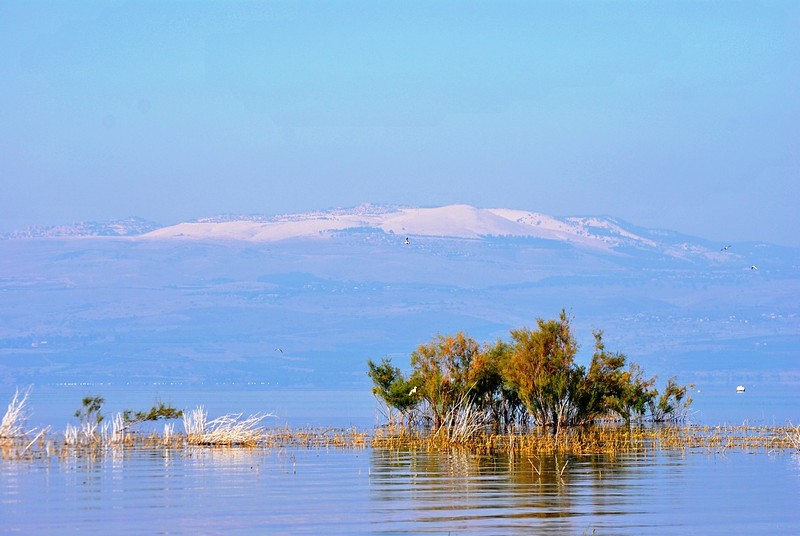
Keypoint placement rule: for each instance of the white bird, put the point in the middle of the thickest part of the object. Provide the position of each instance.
(754, 267)
(413, 391)
(725, 248)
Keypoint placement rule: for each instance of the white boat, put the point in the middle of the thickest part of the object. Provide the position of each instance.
(740, 389)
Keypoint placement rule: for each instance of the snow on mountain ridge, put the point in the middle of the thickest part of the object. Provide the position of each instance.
(609, 230)
(451, 221)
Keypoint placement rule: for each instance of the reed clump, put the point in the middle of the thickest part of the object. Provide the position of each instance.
(16, 416)
(608, 440)
(227, 430)
(315, 438)
(793, 436)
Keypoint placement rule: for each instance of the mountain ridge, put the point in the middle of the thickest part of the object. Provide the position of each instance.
(448, 221)
(602, 234)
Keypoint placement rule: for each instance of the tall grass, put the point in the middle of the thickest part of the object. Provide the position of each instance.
(86, 434)
(231, 429)
(16, 416)
(604, 440)
(462, 422)
(793, 436)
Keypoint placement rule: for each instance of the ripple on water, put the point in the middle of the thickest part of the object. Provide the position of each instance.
(313, 491)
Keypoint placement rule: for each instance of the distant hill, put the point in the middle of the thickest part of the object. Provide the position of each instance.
(124, 227)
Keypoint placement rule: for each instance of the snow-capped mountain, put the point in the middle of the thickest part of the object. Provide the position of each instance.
(462, 222)
(452, 221)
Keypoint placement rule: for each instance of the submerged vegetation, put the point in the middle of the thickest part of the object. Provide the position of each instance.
(459, 433)
(16, 416)
(459, 387)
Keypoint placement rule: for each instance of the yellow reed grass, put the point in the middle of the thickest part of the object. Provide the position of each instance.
(602, 440)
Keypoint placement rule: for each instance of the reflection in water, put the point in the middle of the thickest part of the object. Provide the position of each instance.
(344, 491)
(666, 492)
(463, 492)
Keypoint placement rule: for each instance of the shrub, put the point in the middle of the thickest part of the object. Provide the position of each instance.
(441, 374)
(456, 384)
(542, 372)
(397, 392)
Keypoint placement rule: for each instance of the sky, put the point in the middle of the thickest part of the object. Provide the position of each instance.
(674, 115)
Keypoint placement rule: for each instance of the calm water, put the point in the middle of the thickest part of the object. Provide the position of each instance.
(325, 491)
(319, 491)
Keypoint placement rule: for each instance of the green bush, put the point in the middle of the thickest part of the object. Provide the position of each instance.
(454, 376)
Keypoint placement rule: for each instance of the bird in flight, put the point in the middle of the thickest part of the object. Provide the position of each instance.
(725, 248)
(754, 267)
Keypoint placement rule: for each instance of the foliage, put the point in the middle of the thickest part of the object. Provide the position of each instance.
(90, 412)
(672, 405)
(490, 392)
(157, 412)
(457, 384)
(614, 390)
(392, 387)
(542, 372)
(441, 372)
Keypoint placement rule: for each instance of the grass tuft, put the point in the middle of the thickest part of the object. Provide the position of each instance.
(231, 429)
(16, 416)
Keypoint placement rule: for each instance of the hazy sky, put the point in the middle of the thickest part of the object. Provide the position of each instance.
(679, 115)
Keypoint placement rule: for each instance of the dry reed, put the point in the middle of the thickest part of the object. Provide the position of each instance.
(231, 429)
(461, 431)
(16, 416)
(602, 440)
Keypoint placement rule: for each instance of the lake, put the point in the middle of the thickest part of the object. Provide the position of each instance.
(199, 490)
(332, 491)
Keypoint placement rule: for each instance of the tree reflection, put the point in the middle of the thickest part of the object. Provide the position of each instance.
(505, 492)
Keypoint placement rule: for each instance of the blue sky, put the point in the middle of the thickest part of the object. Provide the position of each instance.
(678, 115)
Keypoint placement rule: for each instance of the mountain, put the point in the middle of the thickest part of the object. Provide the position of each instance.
(453, 221)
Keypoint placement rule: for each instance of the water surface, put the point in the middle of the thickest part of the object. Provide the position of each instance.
(327, 491)
(332, 491)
